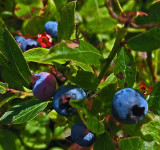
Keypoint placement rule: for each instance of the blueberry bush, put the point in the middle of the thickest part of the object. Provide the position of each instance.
(79, 75)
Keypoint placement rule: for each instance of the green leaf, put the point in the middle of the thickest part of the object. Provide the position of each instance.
(83, 66)
(12, 142)
(106, 95)
(129, 5)
(37, 134)
(85, 80)
(154, 99)
(89, 6)
(104, 142)
(30, 27)
(89, 108)
(100, 20)
(151, 130)
(66, 24)
(110, 79)
(135, 130)
(153, 15)
(8, 97)
(23, 112)
(58, 119)
(146, 41)
(13, 78)
(6, 5)
(60, 4)
(35, 54)
(25, 9)
(82, 52)
(3, 87)
(59, 132)
(13, 58)
(51, 11)
(125, 69)
(3, 60)
(56, 148)
(135, 143)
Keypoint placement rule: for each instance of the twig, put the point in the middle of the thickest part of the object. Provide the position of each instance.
(115, 50)
(19, 92)
(57, 74)
(128, 18)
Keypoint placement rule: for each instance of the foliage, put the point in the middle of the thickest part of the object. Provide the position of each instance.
(102, 46)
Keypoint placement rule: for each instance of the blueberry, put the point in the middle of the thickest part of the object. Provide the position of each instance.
(129, 106)
(62, 97)
(44, 85)
(20, 40)
(81, 135)
(51, 27)
(28, 44)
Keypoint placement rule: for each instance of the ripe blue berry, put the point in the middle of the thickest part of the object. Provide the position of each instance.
(129, 106)
(20, 40)
(51, 27)
(62, 97)
(28, 44)
(44, 85)
(81, 135)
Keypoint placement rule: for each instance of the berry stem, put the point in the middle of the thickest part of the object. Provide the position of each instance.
(24, 94)
(117, 45)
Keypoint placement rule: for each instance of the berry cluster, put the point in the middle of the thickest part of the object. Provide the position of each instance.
(43, 40)
(26, 44)
(129, 106)
(44, 87)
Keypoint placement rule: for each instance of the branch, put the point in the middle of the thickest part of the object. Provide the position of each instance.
(57, 74)
(24, 94)
(128, 18)
(115, 50)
